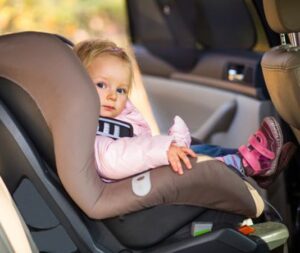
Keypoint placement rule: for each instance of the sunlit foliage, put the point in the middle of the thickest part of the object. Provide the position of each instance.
(75, 19)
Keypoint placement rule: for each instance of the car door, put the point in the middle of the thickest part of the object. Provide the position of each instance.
(201, 60)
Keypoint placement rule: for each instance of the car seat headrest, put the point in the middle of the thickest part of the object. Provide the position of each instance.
(44, 68)
(283, 15)
(280, 65)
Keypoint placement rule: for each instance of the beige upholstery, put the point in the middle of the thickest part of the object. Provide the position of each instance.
(281, 65)
(48, 71)
(281, 69)
(283, 15)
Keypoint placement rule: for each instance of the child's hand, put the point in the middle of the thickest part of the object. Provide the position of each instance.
(176, 155)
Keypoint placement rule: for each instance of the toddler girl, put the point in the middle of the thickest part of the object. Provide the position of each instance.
(111, 71)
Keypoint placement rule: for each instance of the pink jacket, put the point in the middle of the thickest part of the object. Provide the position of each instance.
(117, 159)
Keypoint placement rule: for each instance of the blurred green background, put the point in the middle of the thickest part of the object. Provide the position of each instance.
(74, 19)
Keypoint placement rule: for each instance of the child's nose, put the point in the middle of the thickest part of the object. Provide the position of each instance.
(112, 94)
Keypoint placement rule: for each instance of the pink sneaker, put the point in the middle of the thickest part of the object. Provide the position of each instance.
(288, 151)
(260, 156)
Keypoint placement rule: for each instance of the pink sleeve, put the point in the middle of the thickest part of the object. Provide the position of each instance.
(117, 159)
(180, 132)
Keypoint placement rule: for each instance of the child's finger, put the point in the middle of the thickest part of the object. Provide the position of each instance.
(180, 170)
(178, 164)
(185, 159)
(173, 165)
(190, 152)
(174, 159)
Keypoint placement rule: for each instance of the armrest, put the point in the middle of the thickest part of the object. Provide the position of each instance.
(219, 121)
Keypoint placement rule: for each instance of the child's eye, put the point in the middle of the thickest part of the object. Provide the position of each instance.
(101, 85)
(121, 91)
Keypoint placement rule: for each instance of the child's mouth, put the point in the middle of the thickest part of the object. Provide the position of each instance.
(108, 108)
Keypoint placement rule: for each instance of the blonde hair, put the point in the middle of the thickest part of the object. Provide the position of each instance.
(88, 50)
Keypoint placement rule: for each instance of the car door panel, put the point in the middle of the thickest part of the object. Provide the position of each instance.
(213, 115)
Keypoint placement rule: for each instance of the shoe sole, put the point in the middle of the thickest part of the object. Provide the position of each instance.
(288, 151)
(277, 133)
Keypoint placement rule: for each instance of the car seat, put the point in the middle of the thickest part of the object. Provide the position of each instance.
(280, 65)
(281, 72)
(48, 121)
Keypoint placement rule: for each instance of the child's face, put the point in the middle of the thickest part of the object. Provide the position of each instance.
(112, 77)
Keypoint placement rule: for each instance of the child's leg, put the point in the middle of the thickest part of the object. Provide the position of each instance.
(212, 150)
(265, 156)
(260, 156)
(288, 151)
(233, 161)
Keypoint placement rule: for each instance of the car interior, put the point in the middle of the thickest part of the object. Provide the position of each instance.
(220, 65)
(14, 234)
